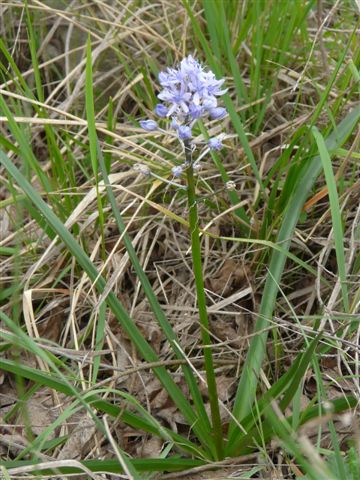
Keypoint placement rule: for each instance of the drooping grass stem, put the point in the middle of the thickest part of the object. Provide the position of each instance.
(201, 303)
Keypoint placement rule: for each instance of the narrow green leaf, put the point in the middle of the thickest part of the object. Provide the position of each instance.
(335, 214)
(153, 301)
(99, 339)
(171, 464)
(90, 115)
(24, 146)
(133, 420)
(282, 428)
(16, 366)
(90, 110)
(227, 100)
(120, 313)
(248, 382)
(287, 386)
(33, 52)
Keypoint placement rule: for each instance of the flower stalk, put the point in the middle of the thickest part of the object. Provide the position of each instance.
(201, 303)
(190, 94)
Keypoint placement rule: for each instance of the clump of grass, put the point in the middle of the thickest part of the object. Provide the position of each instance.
(99, 319)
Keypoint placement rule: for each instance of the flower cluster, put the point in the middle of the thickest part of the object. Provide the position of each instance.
(189, 93)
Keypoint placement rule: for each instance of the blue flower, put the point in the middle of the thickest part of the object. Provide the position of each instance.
(215, 143)
(209, 102)
(191, 91)
(184, 132)
(177, 171)
(195, 111)
(177, 97)
(188, 93)
(174, 124)
(161, 110)
(149, 125)
(217, 113)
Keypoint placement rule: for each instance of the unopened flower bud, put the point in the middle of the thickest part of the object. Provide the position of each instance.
(195, 111)
(217, 113)
(184, 132)
(149, 125)
(177, 171)
(141, 168)
(161, 110)
(230, 186)
(215, 144)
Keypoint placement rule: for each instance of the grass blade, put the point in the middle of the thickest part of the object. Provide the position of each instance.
(227, 100)
(335, 214)
(120, 313)
(286, 386)
(247, 385)
(153, 301)
(59, 384)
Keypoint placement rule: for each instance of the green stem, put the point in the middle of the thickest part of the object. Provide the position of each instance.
(201, 302)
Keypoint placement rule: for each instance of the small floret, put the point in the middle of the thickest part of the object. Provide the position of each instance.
(217, 113)
(149, 125)
(161, 110)
(230, 186)
(141, 168)
(177, 171)
(214, 143)
(174, 124)
(190, 91)
(184, 132)
(195, 111)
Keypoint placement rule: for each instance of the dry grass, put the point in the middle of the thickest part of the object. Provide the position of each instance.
(58, 306)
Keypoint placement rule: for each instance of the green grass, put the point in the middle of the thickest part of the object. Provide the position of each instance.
(192, 327)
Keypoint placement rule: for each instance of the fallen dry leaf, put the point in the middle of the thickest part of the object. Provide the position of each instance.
(228, 279)
(40, 416)
(78, 440)
(150, 448)
(225, 387)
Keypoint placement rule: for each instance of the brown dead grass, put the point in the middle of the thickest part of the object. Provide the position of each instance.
(58, 318)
